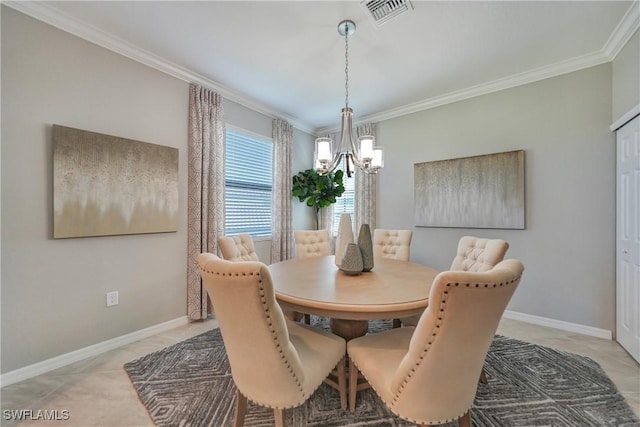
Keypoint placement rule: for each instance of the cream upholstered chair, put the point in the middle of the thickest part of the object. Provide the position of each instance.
(238, 248)
(474, 254)
(429, 374)
(274, 362)
(312, 243)
(477, 254)
(392, 243)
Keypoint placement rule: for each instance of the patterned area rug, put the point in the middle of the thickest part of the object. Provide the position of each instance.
(190, 384)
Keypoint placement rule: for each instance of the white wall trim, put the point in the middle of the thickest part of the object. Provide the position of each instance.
(625, 118)
(563, 67)
(52, 16)
(627, 26)
(625, 29)
(559, 324)
(48, 365)
(56, 18)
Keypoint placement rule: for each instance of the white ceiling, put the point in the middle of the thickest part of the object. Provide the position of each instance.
(287, 58)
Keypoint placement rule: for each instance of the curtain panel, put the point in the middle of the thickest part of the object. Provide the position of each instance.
(205, 190)
(281, 232)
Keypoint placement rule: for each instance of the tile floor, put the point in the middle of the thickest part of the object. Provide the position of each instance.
(97, 391)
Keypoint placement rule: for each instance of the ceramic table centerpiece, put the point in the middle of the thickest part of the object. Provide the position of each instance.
(352, 260)
(366, 247)
(344, 237)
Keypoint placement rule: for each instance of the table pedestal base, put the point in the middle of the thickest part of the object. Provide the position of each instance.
(349, 329)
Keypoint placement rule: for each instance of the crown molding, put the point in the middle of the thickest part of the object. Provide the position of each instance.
(54, 17)
(625, 29)
(628, 25)
(520, 79)
(531, 76)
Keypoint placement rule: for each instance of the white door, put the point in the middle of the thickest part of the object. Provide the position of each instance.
(628, 238)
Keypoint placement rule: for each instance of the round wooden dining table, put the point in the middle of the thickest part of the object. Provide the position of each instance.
(393, 289)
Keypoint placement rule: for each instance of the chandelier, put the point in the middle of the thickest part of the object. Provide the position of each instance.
(365, 156)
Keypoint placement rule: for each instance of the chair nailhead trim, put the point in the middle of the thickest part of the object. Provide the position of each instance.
(275, 338)
(426, 349)
(262, 294)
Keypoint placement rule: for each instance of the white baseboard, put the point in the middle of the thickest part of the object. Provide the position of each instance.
(559, 324)
(48, 365)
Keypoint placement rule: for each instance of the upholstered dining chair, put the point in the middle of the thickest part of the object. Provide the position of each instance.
(274, 362)
(478, 254)
(393, 244)
(312, 243)
(238, 248)
(429, 374)
(474, 254)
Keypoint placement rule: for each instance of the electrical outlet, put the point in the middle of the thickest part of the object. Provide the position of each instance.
(112, 298)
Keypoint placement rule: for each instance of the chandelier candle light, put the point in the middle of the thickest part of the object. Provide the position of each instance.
(367, 156)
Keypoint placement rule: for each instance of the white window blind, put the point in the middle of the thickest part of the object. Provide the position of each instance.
(344, 203)
(248, 178)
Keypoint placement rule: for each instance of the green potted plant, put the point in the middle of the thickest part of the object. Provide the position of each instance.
(319, 191)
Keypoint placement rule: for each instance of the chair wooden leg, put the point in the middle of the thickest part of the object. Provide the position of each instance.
(465, 420)
(342, 382)
(397, 323)
(307, 319)
(483, 377)
(278, 415)
(241, 409)
(353, 385)
(293, 315)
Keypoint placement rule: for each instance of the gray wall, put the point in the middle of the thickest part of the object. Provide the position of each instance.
(626, 78)
(53, 291)
(562, 123)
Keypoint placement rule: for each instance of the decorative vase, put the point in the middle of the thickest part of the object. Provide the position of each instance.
(366, 247)
(344, 237)
(352, 260)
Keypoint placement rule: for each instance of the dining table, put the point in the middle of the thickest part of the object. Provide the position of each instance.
(392, 289)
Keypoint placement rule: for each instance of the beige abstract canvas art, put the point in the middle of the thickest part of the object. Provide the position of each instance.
(105, 185)
(484, 191)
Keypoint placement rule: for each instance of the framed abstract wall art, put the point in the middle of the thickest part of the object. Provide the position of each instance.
(105, 185)
(485, 191)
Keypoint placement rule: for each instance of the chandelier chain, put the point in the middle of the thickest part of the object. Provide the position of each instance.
(346, 69)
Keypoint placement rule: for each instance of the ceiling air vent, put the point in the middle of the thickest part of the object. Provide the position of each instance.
(381, 11)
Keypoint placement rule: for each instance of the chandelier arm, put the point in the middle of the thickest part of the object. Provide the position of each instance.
(331, 167)
(336, 161)
(360, 164)
(355, 149)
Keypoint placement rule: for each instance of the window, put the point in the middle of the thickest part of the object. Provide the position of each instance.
(345, 203)
(248, 177)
